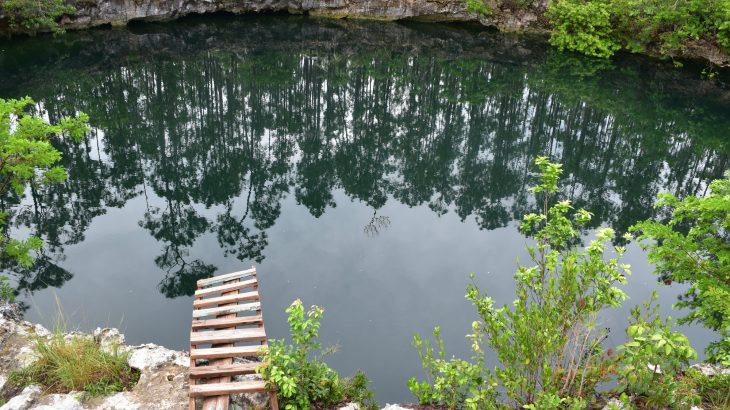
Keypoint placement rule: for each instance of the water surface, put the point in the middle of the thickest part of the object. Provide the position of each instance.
(364, 167)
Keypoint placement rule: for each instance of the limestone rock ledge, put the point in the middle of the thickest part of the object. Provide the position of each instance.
(163, 382)
(120, 12)
(163, 374)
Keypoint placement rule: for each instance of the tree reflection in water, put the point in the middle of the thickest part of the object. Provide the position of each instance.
(450, 119)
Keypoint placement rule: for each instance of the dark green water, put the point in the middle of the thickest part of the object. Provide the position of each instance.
(363, 167)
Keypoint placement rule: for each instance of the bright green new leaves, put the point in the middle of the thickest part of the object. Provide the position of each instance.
(693, 247)
(305, 382)
(27, 158)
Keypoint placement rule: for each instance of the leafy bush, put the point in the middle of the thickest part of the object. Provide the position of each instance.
(652, 360)
(36, 15)
(455, 382)
(548, 343)
(6, 291)
(693, 246)
(78, 364)
(305, 382)
(583, 26)
(599, 28)
(479, 7)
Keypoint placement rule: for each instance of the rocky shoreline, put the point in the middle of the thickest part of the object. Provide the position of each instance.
(163, 382)
(117, 13)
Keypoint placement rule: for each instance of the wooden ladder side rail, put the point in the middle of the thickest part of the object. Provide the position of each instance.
(273, 399)
(216, 402)
(221, 402)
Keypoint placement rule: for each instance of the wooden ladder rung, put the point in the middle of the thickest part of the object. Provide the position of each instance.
(226, 277)
(227, 322)
(221, 352)
(228, 336)
(217, 389)
(248, 307)
(205, 372)
(226, 288)
(239, 297)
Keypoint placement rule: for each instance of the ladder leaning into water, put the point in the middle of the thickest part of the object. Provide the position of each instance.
(234, 328)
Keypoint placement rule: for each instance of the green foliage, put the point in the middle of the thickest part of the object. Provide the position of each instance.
(78, 364)
(599, 28)
(6, 291)
(454, 383)
(693, 246)
(27, 158)
(479, 7)
(714, 391)
(302, 381)
(653, 358)
(583, 26)
(548, 342)
(36, 15)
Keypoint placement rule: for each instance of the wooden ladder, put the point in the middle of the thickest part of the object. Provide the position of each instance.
(234, 328)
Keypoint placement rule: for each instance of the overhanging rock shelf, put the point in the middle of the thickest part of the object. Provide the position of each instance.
(227, 324)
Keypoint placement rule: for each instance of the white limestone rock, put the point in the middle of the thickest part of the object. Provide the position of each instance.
(108, 338)
(24, 400)
(119, 401)
(69, 401)
(709, 370)
(151, 356)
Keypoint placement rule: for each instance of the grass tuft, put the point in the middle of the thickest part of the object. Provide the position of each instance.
(77, 364)
(714, 391)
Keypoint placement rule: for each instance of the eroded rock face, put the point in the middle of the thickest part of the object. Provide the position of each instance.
(120, 12)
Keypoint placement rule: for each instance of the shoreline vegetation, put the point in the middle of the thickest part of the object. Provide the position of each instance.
(687, 29)
(550, 347)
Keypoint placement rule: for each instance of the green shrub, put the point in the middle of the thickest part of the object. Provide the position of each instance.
(479, 7)
(601, 27)
(454, 383)
(78, 364)
(583, 26)
(36, 15)
(6, 291)
(548, 342)
(693, 247)
(651, 362)
(304, 382)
